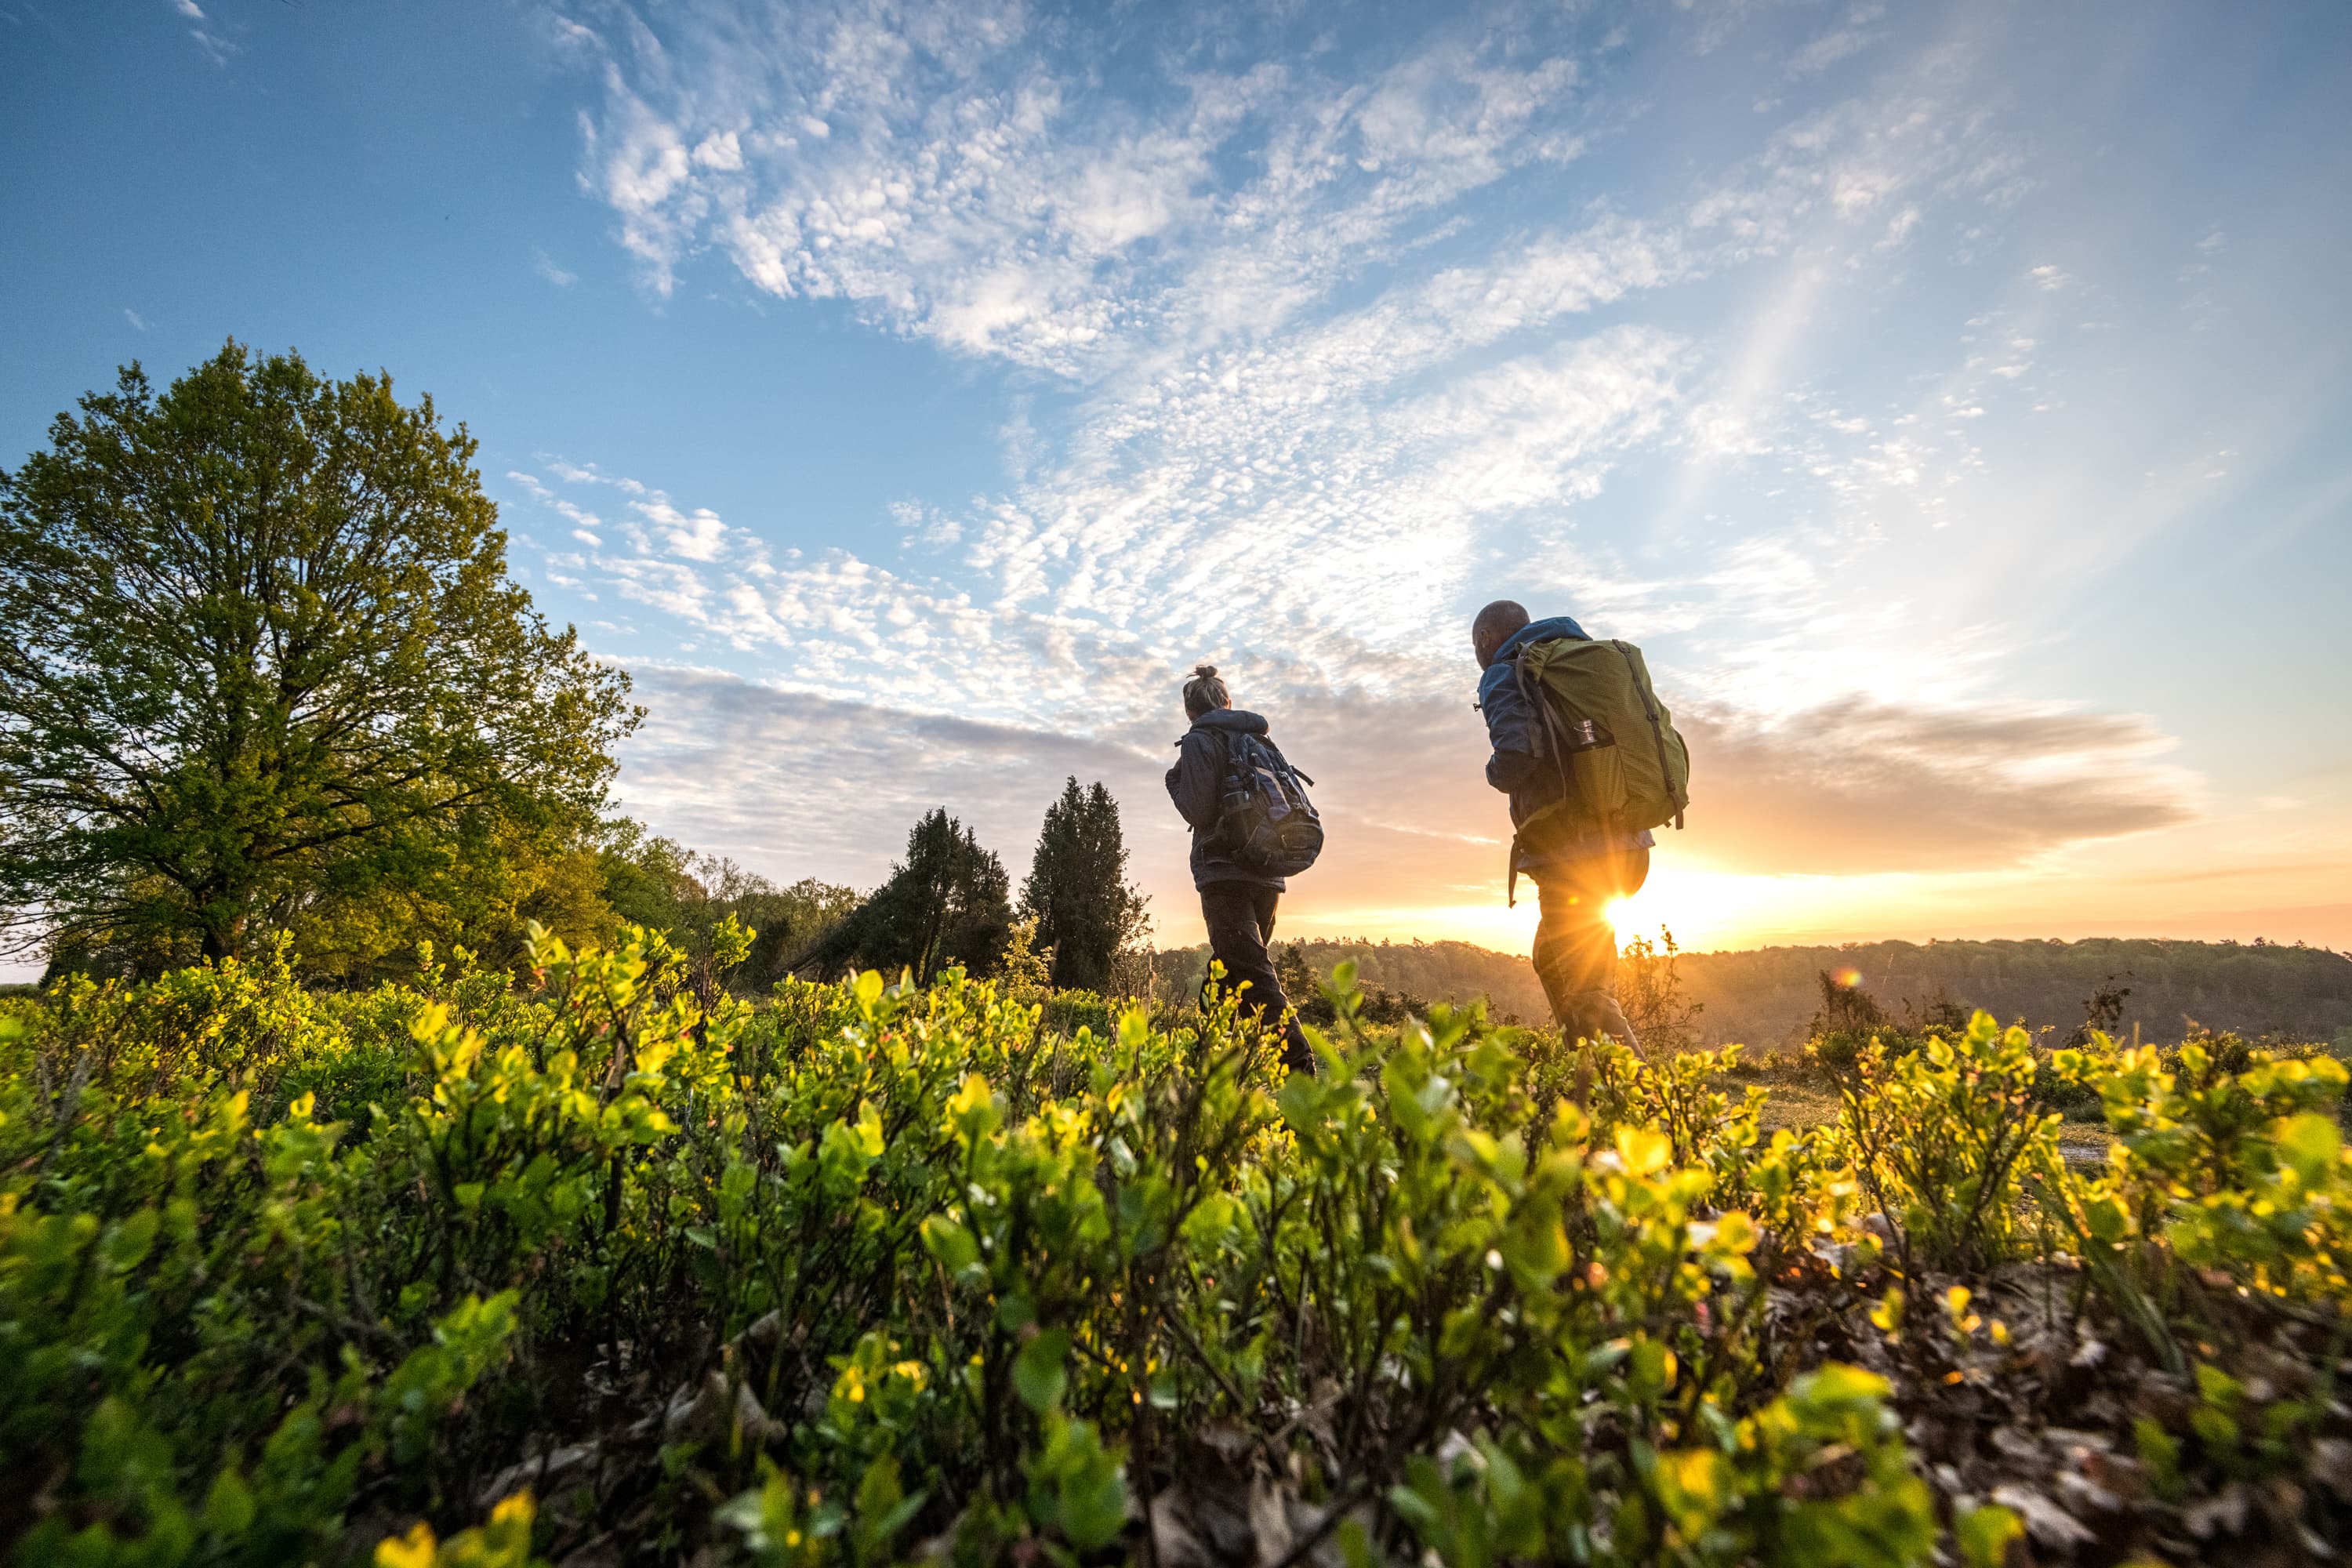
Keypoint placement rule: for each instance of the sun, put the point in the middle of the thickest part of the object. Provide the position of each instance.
(1692, 905)
(1625, 920)
(1641, 915)
(1704, 908)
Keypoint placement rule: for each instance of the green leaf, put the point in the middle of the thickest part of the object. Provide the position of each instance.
(882, 1510)
(1984, 1532)
(1834, 1389)
(1039, 1376)
(228, 1506)
(2310, 1144)
(951, 1243)
(1076, 1484)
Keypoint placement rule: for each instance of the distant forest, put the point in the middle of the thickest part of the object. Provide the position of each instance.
(1768, 997)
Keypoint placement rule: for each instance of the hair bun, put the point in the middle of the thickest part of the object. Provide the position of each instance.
(1206, 691)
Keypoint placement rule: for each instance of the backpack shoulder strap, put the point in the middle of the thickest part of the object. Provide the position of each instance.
(1539, 701)
(1284, 763)
(1229, 742)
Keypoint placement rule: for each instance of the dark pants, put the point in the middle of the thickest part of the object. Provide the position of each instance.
(1576, 947)
(1239, 917)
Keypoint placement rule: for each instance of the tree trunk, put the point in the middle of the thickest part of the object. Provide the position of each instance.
(222, 938)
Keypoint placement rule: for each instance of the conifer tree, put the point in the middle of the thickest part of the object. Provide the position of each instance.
(1077, 890)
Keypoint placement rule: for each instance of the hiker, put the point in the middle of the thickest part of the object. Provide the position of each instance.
(1238, 889)
(1591, 763)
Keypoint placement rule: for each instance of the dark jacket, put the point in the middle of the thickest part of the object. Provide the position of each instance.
(1519, 767)
(1197, 781)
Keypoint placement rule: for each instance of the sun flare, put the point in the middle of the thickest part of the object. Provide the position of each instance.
(1625, 920)
(1678, 901)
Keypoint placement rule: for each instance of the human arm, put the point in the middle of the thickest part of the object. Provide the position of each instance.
(1512, 728)
(1193, 781)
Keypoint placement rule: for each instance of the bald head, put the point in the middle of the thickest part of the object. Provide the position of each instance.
(1495, 625)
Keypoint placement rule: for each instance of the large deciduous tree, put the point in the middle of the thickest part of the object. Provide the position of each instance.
(261, 650)
(1077, 888)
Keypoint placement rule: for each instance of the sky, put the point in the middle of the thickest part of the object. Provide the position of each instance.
(1951, 399)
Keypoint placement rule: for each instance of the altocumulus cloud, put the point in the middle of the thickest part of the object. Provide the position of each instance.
(1315, 403)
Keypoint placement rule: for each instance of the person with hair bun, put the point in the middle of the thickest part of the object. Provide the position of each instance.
(1237, 902)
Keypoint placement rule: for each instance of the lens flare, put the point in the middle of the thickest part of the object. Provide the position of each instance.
(1848, 978)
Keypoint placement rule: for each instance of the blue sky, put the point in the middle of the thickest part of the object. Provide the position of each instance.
(1953, 400)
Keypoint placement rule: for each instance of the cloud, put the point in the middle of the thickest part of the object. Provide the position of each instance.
(1847, 785)
(1858, 786)
(1337, 520)
(1839, 43)
(698, 535)
(547, 268)
(1306, 351)
(214, 48)
(960, 172)
(1193, 259)
(797, 783)
(801, 784)
(137, 323)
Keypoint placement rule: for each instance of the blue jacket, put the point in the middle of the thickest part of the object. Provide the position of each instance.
(1517, 768)
(1196, 783)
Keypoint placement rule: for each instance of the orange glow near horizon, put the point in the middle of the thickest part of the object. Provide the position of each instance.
(1716, 910)
(2219, 878)
(1704, 909)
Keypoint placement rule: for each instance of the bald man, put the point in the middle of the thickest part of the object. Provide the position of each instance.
(1578, 874)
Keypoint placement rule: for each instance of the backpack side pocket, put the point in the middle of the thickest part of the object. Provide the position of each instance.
(1599, 773)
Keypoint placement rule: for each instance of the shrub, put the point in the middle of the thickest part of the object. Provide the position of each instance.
(1941, 1140)
(448, 1273)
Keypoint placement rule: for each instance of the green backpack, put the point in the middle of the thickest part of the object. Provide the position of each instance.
(1621, 767)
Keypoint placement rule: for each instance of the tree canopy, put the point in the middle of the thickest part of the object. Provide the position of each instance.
(661, 885)
(1077, 891)
(945, 905)
(264, 661)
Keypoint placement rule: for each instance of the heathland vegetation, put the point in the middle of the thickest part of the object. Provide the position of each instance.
(410, 1162)
(588, 1270)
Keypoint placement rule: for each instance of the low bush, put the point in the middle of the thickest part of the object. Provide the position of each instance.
(622, 1269)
